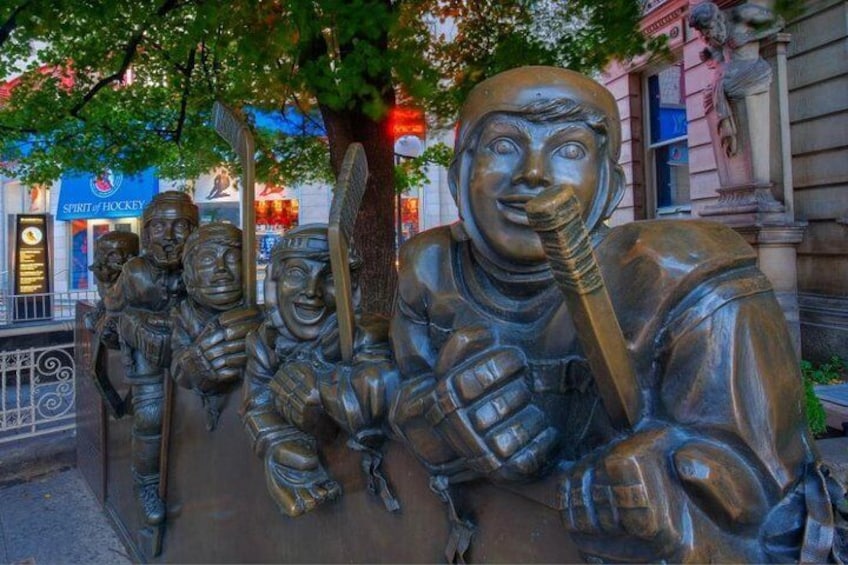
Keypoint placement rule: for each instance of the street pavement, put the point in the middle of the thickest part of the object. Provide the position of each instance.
(48, 515)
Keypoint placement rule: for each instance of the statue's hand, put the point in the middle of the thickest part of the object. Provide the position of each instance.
(296, 394)
(483, 408)
(222, 345)
(626, 497)
(357, 395)
(296, 480)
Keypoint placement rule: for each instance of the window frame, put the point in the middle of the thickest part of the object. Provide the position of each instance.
(652, 209)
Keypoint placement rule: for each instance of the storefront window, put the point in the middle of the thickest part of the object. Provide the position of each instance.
(273, 219)
(668, 154)
(408, 218)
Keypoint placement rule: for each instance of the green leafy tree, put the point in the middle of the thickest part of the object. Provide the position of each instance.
(129, 84)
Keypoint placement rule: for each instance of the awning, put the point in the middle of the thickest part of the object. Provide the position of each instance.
(109, 195)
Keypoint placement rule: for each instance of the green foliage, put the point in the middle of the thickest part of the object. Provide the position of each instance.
(412, 173)
(789, 9)
(830, 372)
(816, 416)
(130, 84)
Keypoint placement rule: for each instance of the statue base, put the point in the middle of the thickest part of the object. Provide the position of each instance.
(746, 205)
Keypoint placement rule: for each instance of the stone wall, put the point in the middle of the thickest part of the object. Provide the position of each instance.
(818, 109)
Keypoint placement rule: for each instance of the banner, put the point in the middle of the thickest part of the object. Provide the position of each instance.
(106, 195)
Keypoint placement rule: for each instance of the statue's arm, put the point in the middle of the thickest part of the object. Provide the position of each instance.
(357, 395)
(185, 363)
(754, 14)
(263, 424)
(725, 444)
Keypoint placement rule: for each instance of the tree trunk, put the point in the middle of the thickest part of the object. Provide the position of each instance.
(374, 234)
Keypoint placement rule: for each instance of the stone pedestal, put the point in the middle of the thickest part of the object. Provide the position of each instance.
(746, 205)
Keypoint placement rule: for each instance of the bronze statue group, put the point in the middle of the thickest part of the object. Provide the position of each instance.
(483, 372)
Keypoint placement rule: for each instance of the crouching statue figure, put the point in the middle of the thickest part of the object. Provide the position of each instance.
(296, 393)
(500, 372)
(211, 324)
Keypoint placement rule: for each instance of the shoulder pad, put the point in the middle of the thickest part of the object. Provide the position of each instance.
(424, 262)
(650, 266)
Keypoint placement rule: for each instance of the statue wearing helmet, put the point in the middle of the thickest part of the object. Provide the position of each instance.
(210, 326)
(495, 384)
(296, 392)
(150, 285)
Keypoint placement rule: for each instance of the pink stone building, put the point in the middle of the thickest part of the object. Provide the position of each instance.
(671, 168)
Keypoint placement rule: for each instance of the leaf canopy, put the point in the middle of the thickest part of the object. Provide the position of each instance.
(130, 84)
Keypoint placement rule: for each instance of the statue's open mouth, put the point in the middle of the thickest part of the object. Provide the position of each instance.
(168, 252)
(309, 313)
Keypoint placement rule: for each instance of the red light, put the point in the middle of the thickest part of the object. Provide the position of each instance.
(407, 121)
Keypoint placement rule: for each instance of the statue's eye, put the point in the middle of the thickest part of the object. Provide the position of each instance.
(295, 274)
(571, 151)
(206, 259)
(232, 256)
(503, 146)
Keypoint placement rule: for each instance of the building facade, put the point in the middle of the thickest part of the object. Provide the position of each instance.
(672, 171)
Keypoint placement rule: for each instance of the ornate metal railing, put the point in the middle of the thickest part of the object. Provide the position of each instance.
(41, 307)
(36, 391)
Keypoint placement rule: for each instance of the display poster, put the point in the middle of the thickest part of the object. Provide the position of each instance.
(408, 218)
(217, 187)
(32, 268)
(273, 219)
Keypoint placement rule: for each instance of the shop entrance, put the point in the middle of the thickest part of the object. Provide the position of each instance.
(83, 235)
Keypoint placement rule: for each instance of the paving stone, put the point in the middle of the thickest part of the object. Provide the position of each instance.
(56, 519)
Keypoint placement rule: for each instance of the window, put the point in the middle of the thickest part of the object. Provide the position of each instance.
(668, 151)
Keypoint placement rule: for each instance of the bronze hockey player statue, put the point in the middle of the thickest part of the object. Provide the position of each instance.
(694, 447)
(111, 251)
(151, 285)
(296, 393)
(210, 325)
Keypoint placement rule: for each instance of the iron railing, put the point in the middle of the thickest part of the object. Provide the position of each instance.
(55, 306)
(36, 391)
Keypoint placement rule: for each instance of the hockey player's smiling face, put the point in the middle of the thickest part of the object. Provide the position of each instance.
(515, 159)
(306, 297)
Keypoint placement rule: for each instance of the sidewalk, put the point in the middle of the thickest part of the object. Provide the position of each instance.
(47, 513)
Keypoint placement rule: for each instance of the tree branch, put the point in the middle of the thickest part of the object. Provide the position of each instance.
(130, 51)
(12, 22)
(189, 68)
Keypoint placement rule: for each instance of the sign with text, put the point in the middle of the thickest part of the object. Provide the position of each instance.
(109, 194)
(32, 268)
